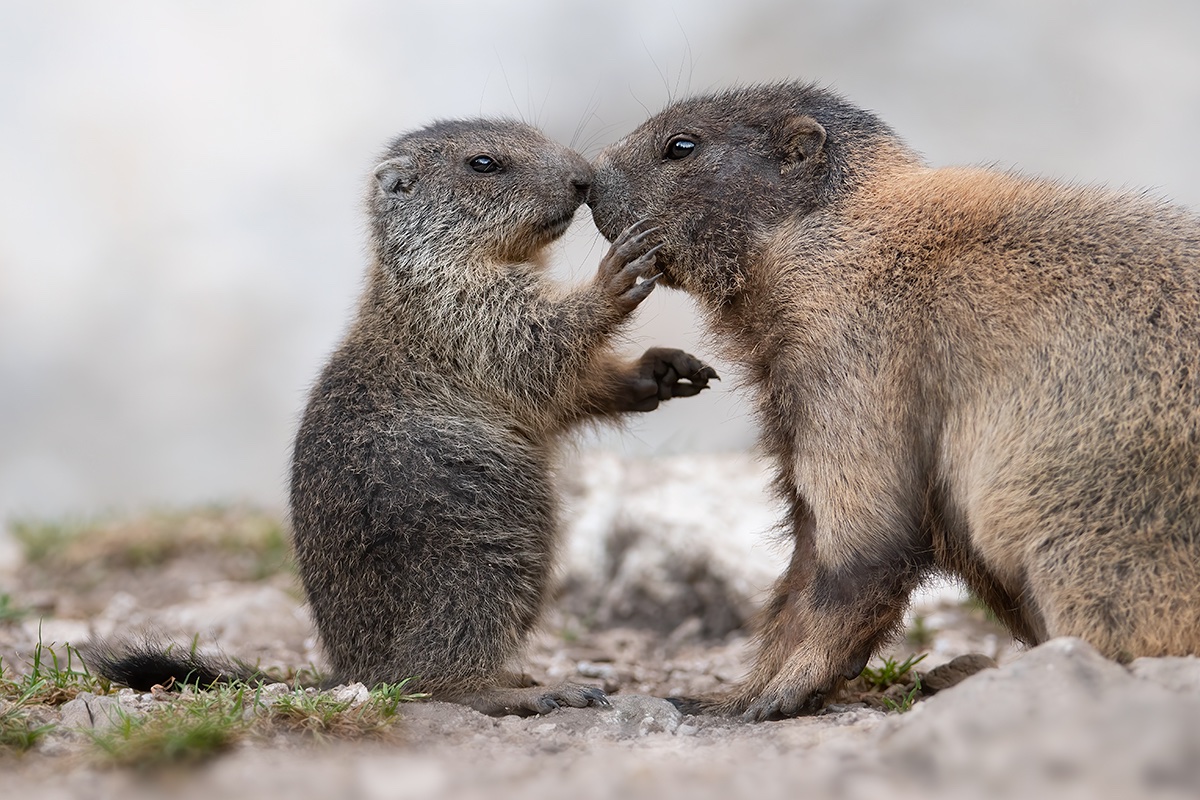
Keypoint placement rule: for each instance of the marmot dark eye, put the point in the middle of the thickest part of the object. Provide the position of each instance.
(484, 164)
(680, 147)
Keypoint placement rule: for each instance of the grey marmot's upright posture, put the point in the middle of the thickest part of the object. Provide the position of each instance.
(422, 502)
(959, 370)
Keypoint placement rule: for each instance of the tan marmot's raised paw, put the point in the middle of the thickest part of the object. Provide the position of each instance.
(423, 511)
(957, 370)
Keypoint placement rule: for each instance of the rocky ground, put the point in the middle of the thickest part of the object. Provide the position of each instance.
(665, 562)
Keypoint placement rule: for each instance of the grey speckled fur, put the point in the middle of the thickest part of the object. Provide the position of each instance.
(423, 507)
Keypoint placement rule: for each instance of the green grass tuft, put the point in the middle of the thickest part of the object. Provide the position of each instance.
(53, 676)
(890, 672)
(19, 730)
(197, 726)
(388, 697)
(906, 702)
(321, 714)
(186, 731)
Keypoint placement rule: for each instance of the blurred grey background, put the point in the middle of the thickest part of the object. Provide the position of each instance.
(180, 238)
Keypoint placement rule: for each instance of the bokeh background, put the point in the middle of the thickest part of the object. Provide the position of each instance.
(180, 236)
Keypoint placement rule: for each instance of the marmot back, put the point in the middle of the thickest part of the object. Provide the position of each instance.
(963, 370)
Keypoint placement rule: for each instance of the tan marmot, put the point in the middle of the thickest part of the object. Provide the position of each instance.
(957, 370)
(422, 502)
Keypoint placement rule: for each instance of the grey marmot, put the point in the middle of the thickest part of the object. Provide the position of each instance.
(423, 508)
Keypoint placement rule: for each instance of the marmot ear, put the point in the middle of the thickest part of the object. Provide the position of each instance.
(397, 175)
(801, 138)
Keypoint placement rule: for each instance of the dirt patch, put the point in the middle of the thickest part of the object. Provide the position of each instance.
(211, 591)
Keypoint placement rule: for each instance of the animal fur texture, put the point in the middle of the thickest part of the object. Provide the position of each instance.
(961, 370)
(423, 507)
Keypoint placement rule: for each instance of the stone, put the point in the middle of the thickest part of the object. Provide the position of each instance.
(954, 672)
(1179, 674)
(660, 542)
(355, 694)
(1061, 716)
(90, 712)
(630, 716)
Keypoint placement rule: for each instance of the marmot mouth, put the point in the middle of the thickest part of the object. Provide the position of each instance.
(558, 226)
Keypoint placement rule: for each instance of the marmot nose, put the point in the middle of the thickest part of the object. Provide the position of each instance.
(582, 186)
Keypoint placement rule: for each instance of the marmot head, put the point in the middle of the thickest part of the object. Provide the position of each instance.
(491, 190)
(717, 172)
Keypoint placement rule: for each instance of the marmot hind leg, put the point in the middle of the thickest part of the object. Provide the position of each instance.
(1125, 601)
(529, 700)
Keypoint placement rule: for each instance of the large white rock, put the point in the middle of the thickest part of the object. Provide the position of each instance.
(1059, 721)
(660, 541)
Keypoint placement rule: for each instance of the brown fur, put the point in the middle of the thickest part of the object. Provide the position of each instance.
(423, 511)
(958, 370)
